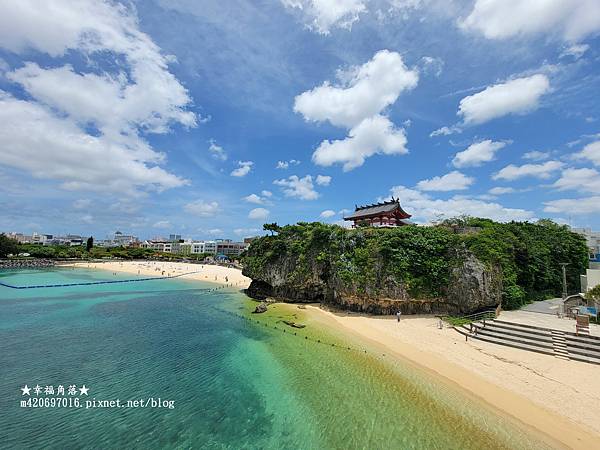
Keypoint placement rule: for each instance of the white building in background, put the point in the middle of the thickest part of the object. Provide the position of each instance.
(590, 280)
(189, 247)
(161, 246)
(592, 238)
(230, 248)
(118, 239)
(40, 238)
(123, 240)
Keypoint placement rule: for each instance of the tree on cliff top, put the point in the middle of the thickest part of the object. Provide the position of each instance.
(422, 258)
(8, 246)
(89, 244)
(272, 227)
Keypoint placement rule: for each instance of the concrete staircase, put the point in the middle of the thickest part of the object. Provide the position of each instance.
(560, 344)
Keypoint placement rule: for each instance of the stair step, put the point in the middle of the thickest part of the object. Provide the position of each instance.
(583, 341)
(518, 327)
(521, 346)
(568, 334)
(581, 350)
(584, 359)
(518, 333)
(586, 353)
(515, 338)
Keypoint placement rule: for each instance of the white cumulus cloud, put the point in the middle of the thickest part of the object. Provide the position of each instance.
(136, 95)
(217, 151)
(513, 172)
(453, 181)
(536, 155)
(477, 154)
(253, 198)
(258, 214)
(584, 180)
(585, 205)
(424, 207)
(372, 136)
(362, 92)
(356, 103)
(500, 19)
(518, 96)
(243, 169)
(302, 188)
(287, 164)
(445, 131)
(591, 152)
(30, 132)
(202, 208)
(498, 190)
(327, 214)
(322, 15)
(323, 180)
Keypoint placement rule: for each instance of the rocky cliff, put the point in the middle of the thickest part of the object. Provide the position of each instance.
(376, 271)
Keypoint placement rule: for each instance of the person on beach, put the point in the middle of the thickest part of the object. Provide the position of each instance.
(398, 314)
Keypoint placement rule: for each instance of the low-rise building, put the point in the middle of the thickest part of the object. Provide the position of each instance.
(229, 248)
(593, 241)
(190, 247)
(161, 246)
(123, 240)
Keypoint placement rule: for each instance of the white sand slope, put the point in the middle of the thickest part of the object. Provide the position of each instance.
(206, 272)
(557, 397)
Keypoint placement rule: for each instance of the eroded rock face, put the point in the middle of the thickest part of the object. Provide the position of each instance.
(472, 287)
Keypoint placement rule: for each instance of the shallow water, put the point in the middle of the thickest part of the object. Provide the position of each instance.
(236, 380)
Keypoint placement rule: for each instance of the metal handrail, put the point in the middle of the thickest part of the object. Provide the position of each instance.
(488, 314)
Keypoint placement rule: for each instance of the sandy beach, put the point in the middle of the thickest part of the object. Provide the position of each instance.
(558, 399)
(202, 272)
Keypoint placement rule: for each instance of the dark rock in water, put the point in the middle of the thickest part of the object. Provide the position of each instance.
(294, 324)
(261, 308)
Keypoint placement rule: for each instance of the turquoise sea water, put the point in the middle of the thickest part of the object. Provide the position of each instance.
(234, 383)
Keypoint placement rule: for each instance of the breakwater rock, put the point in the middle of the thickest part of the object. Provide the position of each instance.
(25, 263)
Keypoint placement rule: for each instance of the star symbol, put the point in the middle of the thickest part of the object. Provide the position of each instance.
(26, 390)
(83, 390)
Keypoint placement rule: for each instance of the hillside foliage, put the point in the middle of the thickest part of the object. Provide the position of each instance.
(422, 257)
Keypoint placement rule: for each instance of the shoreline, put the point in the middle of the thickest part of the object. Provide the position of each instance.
(553, 399)
(209, 273)
(547, 420)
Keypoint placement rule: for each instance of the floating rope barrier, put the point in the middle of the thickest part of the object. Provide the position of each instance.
(219, 288)
(89, 283)
(274, 327)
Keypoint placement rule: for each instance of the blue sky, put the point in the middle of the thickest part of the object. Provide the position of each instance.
(208, 119)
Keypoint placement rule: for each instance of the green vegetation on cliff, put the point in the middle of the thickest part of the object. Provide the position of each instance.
(422, 259)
